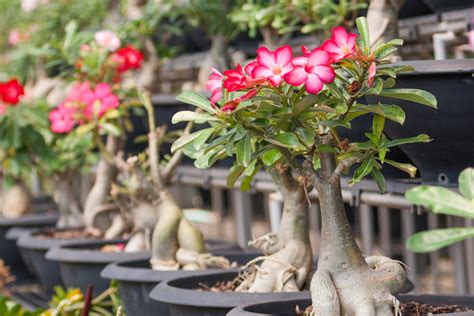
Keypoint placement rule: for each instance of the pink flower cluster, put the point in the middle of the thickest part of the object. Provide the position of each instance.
(313, 69)
(83, 104)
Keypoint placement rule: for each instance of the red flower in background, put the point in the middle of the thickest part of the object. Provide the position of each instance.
(128, 58)
(341, 45)
(11, 91)
(235, 79)
(232, 104)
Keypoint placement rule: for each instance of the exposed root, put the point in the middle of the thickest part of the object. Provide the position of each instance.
(268, 243)
(16, 202)
(191, 260)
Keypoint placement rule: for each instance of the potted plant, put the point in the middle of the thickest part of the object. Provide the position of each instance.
(21, 130)
(284, 114)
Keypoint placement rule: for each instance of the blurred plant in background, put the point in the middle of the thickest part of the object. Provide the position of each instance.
(277, 20)
(441, 200)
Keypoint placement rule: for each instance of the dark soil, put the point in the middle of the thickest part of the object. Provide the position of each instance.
(408, 309)
(66, 234)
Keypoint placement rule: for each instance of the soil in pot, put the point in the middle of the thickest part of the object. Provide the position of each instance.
(185, 296)
(411, 305)
(136, 280)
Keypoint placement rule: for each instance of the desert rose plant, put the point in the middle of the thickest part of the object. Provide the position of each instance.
(22, 128)
(97, 106)
(282, 113)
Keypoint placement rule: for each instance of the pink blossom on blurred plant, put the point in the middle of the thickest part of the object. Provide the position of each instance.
(273, 66)
(108, 40)
(62, 119)
(85, 48)
(14, 37)
(3, 108)
(341, 45)
(314, 71)
(214, 85)
(100, 101)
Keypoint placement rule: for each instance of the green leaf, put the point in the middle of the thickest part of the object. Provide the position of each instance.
(441, 200)
(244, 150)
(389, 111)
(422, 138)
(327, 148)
(379, 179)
(364, 169)
(185, 116)
(187, 139)
(406, 167)
(378, 124)
(234, 174)
(270, 157)
(363, 28)
(436, 239)
(466, 183)
(387, 48)
(305, 103)
(413, 95)
(85, 128)
(191, 97)
(199, 141)
(111, 129)
(286, 139)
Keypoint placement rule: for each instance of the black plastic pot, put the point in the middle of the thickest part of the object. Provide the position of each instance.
(184, 299)
(287, 307)
(136, 280)
(81, 263)
(9, 252)
(47, 272)
(450, 126)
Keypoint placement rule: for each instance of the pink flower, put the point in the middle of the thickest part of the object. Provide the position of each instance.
(108, 40)
(14, 37)
(341, 45)
(62, 119)
(3, 108)
(273, 66)
(314, 71)
(371, 76)
(235, 79)
(232, 104)
(29, 5)
(214, 85)
(85, 48)
(99, 101)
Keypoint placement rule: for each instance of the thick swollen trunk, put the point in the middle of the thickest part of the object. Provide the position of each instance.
(70, 214)
(218, 57)
(346, 284)
(105, 174)
(382, 17)
(16, 201)
(288, 258)
(172, 233)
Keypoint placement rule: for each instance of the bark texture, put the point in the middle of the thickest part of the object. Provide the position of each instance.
(345, 283)
(70, 214)
(288, 259)
(94, 217)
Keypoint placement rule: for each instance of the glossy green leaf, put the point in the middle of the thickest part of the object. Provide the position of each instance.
(244, 150)
(111, 129)
(270, 157)
(234, 174)
(441, 200)
(406, 167)
(379, 179)
(436, 239)
(466, 183)
(85, 128)
(191, 97)
(305, 103)
(187, 139)
(363, 28)
(199, 141)
(390, 111)
(364, 169)
(422, 138)
(286, 139)
(185, 116)
(378, 124)
(413, 95)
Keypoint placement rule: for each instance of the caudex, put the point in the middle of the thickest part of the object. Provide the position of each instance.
(283, 114)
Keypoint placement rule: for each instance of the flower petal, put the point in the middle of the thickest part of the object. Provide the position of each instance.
(261, 71)
(339, 34)
(283, 55)
(296, 77)
(265, 57)
(319, 57)
(325, 73)
(313, 84)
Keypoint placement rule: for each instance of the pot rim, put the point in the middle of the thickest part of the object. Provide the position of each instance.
(168, 292)
(28, 240)
(132, 271)
(80, 253)
(424, 67)
(240, 310)
(30, 220)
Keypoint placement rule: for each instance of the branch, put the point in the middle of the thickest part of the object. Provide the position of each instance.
(343, 165)
(283, 178)
(168, 170)
(310, 173)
